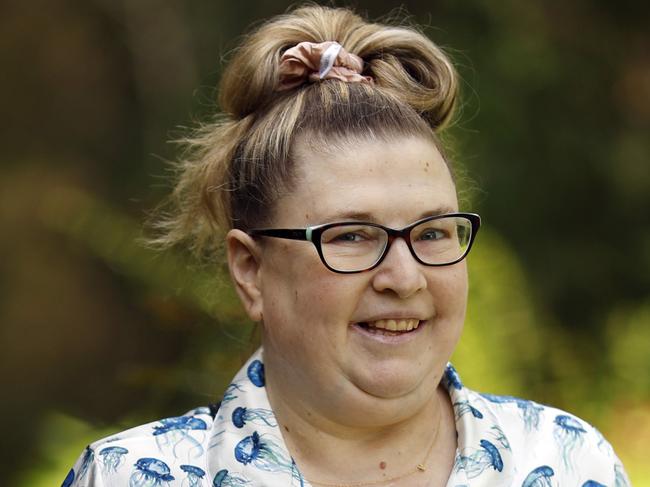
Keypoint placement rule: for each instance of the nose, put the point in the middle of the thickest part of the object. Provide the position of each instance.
(399, 272)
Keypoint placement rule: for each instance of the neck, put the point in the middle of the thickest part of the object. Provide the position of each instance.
(389, 446)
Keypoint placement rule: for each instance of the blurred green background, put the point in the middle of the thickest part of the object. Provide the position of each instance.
(99, 334)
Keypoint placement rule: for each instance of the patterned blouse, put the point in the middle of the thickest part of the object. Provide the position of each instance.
(502, 441)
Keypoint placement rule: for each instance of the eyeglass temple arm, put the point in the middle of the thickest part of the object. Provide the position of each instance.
(288, 233)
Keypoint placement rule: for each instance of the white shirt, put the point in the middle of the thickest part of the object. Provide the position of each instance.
(502, 441)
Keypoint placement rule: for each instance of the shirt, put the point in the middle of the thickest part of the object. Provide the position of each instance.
(502, 441)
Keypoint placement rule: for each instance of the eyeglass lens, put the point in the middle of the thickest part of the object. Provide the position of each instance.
(352, 247)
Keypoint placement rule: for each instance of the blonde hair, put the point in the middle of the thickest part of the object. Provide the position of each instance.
(234, 169)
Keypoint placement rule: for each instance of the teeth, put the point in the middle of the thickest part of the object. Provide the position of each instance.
(395, 325)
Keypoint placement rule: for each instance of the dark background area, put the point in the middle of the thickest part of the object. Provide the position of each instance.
(96, 330)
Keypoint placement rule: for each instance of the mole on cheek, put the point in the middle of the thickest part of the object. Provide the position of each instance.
(382, 465)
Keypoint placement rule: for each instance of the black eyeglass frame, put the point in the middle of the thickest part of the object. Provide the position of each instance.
(313, 234)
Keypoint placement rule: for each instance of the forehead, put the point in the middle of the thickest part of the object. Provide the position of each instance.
(392, 182)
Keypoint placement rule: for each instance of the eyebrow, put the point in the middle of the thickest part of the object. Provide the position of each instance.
(369, 217)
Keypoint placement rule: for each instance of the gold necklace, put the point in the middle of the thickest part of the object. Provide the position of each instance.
(420, 467)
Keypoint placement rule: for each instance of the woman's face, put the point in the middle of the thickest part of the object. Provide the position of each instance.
(315, 349)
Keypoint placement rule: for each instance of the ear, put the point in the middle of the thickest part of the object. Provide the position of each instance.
(244, 264)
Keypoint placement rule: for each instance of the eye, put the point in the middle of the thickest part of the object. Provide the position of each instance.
(350, 234)
(432, 234)
(349, 237)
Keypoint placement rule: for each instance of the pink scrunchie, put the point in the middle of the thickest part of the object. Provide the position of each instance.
(310, 62)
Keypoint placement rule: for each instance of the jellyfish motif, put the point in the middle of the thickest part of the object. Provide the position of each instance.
(199, 410)
(295, 473)
(529, 410)
(255, 373)
(479, 460)
(113, 439)
(216, 439)
(463, 407)
(67, 481)
(500, 437)
(568, 433)
(88, 458)
(225, 479)
(231, 393)
(240, 416)
(194, 475)
(150, 472)
(113, 457)
(264, 454)
(175, 432)
(593, 483)
(452, 377)
(603, 445)
(539, 477)
(619, 477)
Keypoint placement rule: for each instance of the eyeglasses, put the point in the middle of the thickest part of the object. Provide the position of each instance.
(349, 247)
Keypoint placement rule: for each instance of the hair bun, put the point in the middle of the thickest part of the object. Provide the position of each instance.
(412, 68)
(401, 60)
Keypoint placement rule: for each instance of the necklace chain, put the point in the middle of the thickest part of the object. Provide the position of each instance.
(420, 467)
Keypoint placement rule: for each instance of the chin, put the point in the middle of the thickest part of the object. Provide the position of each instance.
(395, 383)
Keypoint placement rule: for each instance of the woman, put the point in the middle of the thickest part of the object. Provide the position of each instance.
(346, 243)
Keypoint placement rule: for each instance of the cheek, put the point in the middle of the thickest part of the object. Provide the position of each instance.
(449, 289)
(306, 319)
(299, 295)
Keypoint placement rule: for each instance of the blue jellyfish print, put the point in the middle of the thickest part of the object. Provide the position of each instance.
(529, 410)
(113, 457)
(67, 482)
(88, 457)
(175, 432)
(231, 393)
(568, 433)
(539, 477)
(463, 407)
(199, 410)
(479, 460)
(225, 479)
(255, 373)
(150, 472)
(264, 454)
(194, 475)
(295, 473)
(216, 439)
(500, 437)
(453, 379)
(113, 439)
(240, 416)
(603, 445)
(620, 480)
(593, 483)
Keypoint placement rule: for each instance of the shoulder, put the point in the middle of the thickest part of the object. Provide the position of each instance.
(161, 451)
(544, 442)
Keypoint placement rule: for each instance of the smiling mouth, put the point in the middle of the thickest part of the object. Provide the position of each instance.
(390, 327)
